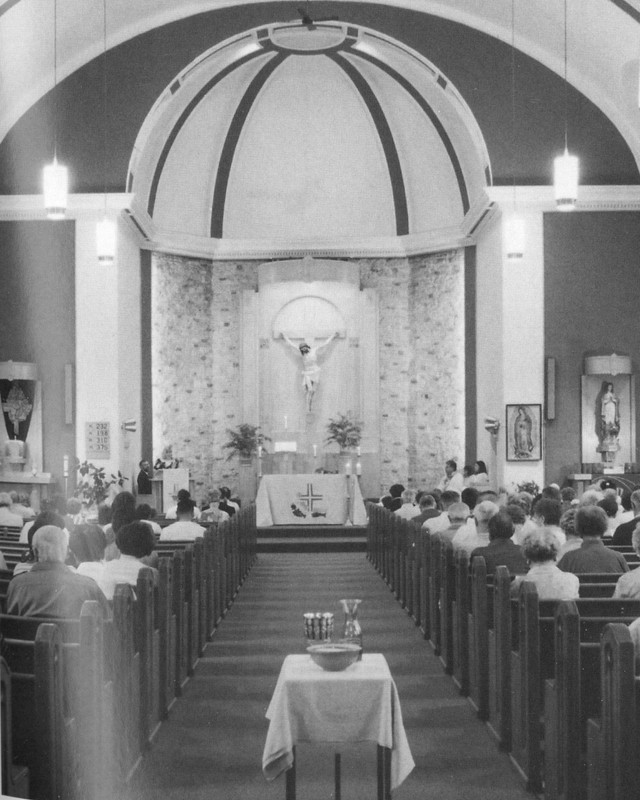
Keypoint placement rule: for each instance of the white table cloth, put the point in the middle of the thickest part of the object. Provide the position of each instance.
(358, 704)
(311, 499)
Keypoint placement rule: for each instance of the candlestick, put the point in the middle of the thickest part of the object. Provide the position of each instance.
(65, 466)
(347, 468)
(358, 468)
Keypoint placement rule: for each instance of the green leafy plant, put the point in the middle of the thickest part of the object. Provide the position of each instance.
(244, 441)
(93, 483)
(344, 430)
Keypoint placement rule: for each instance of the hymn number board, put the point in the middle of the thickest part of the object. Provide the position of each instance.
(98, 440)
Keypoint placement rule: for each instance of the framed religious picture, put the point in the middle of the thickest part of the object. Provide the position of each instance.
(524, 432)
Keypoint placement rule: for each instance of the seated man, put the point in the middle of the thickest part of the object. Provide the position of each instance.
(592, 555)
(442, 521)
(51, 589)
(183, 494)
(185, 527)
(471, 537)
(408, 509)
(428, 510)
(457, 514)
(501, 551)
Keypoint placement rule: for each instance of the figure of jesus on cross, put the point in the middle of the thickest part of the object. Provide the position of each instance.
(310, 366)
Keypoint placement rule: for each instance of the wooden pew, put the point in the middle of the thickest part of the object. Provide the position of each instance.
(461, 608)
(573, 695)
(613, 735)
(435, 631)
(532, 662)
(15, 776)
(424, 578)
(478, 622)
(447, 595)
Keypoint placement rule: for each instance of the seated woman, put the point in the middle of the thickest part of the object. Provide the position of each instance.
(135, 542)
(540, 548)
(481, 478)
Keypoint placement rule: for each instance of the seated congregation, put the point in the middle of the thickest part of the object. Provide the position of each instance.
(148, 603)
(495, 581)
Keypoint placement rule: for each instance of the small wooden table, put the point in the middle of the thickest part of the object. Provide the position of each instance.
(358, 704)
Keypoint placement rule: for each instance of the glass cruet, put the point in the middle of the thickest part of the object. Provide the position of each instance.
(352, 632)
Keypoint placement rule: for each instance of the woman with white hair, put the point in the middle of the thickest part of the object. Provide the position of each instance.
(540, 548)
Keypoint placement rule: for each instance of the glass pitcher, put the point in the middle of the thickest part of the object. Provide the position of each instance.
(352, 632)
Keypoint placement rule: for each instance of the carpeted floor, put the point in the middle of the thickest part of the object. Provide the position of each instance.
(211, 746)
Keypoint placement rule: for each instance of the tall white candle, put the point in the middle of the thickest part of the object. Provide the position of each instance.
(358, 468)
(285, 422)
(259, 451)
(358, 451)
(315, 450)
(65, 466)
(347, 468)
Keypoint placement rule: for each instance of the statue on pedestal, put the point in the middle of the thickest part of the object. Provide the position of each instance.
(608, 415)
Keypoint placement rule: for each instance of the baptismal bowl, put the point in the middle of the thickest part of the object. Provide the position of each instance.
(334, 656)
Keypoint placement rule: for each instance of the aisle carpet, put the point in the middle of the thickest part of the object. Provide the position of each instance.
(211, 746)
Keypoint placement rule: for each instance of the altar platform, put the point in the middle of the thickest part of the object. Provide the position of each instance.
(312, 539)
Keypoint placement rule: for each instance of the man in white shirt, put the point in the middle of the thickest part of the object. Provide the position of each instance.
(453, 480)
(442, 522)
(172, 511)
(185, 528)
(408, 509)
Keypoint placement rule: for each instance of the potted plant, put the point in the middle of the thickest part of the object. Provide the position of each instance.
(530, 487)
(93, 484)
(245, 441)
(345, 431)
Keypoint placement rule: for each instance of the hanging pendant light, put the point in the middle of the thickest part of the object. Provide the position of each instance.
(513, 229)
(106, 234)
(566, 168)
(55, 176)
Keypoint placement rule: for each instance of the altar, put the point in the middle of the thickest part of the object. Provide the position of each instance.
(311, 499)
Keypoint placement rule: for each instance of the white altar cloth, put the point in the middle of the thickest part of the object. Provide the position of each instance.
(359, 704)
(312, 499)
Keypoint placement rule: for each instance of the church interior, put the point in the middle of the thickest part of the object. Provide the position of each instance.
(371, 178)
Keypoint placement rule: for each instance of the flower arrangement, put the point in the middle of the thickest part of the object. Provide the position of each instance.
(345, 431)
(93, 484)
(531, 487)
(244, 441)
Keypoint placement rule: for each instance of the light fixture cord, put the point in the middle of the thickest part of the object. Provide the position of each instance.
(55, 80)
(566, 95)
(513, 100)
(104, 104)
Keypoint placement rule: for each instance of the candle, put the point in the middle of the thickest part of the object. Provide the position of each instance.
(358, 468)
(347, 468)
(285, 422)
(358, 451)
(65, 466)
(259, 451)
(315, 450)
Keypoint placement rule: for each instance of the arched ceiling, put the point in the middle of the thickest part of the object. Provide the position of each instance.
(602, 41)
(317, 135)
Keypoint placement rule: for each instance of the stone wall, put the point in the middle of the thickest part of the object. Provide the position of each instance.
(196, 362)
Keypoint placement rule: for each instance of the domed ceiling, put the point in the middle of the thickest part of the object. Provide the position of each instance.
(322, 137)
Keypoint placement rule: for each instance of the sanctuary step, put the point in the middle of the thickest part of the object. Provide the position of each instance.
(312, 539)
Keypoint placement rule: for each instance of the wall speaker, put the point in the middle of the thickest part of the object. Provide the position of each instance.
(550, 388)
